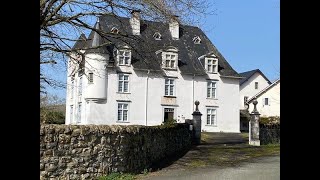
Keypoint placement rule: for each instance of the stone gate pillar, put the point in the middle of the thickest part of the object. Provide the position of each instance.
(254, 125)
(197, 123)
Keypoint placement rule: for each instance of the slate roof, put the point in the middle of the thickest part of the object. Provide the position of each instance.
(80, 43)
(144, 46)
(248, 74)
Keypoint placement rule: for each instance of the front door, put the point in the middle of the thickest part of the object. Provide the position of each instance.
(168, 114)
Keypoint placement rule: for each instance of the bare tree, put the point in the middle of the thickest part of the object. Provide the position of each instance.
(52, 109)
(62, 22)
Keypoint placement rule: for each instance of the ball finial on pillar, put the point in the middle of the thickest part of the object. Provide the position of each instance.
(197, 104)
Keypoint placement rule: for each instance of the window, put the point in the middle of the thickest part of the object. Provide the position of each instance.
(212, 89)
(71, 113)
(266, 101)
(79, 112)
(196, 40)
(170, 60)
(91, 77)
(124, 57)
(245, 100)
(72, 87)
(256, 85)
(123, 112)
(115, 30)
(169, 87)
(211, 65)
(157, 36)
(168, 114)
(211, 116)
(80, 86)
(123, 85)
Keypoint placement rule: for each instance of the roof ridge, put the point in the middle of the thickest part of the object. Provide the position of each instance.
(263, 90)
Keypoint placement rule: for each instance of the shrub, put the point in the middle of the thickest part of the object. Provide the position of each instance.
(169, 123)
(269, 120)
(51, 117)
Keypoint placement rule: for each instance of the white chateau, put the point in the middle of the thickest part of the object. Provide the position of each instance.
(148, 72)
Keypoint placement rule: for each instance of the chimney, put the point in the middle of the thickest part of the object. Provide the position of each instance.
(174, 27)
(135, 22)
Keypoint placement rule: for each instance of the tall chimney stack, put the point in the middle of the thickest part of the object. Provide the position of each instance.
(174, 27)
(135, 22)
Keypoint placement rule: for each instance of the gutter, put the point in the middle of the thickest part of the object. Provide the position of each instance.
(147, 89)
(193, 92)
(236, 77)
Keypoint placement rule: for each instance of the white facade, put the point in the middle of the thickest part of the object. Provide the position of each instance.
(269, 100)
(146, 100)
(248, 88)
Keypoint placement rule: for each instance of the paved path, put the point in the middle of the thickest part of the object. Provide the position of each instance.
(266, 168)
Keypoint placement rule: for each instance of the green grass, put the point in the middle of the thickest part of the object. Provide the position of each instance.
(204, 137)
(233, 154)
(245, 135)
(118, 176)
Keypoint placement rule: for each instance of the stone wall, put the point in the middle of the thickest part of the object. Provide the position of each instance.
(88, 151)
(269, 134)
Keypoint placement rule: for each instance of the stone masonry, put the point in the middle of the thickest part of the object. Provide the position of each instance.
(89, 151)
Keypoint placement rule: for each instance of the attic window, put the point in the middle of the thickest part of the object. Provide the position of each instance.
(196, 40)
(123, 56)
(157, 36)
(115, 30)
(211, 65)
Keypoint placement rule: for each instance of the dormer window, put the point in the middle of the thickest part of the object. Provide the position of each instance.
(196, 40)
(170, 59)
(211, 65)
(157, 36)
(115, 30)
(123, 57)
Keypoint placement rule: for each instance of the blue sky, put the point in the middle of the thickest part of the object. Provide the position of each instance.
(247, 34)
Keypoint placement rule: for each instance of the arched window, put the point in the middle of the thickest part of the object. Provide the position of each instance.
(157, 36)
(196, 40)
(115, 30)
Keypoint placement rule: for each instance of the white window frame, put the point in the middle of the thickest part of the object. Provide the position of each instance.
(212, 85)
(170, 86)
(196, 40)
(114, 30)
(122, 81)
(79, 112)
(256, 85)
(245, 99)
(211, 113)
(171, 61)
(122, 109)
(211, 64)
(157, 36)
(123, 54)
(168, 107)
(266, 100)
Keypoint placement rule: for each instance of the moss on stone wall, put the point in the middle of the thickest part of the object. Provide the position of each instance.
(88, 151)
